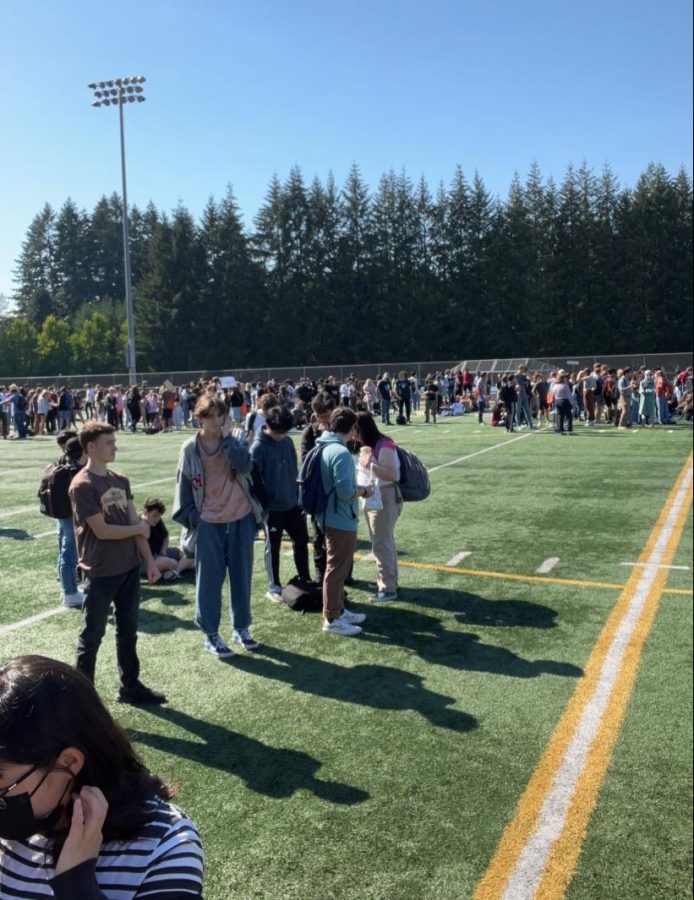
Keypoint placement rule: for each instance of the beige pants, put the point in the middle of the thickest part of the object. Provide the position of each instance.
(382, 524)
(624, 412)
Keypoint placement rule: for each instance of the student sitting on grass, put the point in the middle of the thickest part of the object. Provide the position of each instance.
(81, 817)
(169, 560)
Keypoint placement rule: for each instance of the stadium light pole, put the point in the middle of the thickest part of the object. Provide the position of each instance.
(118, 92)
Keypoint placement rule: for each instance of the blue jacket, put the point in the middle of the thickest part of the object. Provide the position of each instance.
(338, 472)
(277, 466)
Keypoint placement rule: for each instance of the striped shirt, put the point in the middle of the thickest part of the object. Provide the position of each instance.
(164, 860)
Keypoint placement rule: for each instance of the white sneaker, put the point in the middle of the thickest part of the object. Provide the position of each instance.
(275, 594)
(339, 626)
(352, 618)
(72, 601)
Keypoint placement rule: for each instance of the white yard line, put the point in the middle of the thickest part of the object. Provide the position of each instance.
(17, 626)
(458, 558)
(657, 566)
(547, 565)
(136, 487)
(453, 462)
(20, 510)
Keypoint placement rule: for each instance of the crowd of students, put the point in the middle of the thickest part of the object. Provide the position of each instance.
(515, 399)
(598, 395)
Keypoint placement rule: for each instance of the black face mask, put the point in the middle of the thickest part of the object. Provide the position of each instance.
(17, 818)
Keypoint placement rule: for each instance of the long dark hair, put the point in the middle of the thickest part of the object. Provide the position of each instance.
(46, 706)
(368, 429)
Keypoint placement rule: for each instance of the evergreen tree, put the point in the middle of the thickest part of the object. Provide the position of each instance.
(233, 296)
(73, 279)
(105, 241)
(323, 282)
(170, 316)
(35, 270)
(142, 227)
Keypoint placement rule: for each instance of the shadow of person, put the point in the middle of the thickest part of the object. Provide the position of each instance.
(473, 609)
(426, 636)
(275, 772)
(152, 622)
(16, 534)
(380, 687)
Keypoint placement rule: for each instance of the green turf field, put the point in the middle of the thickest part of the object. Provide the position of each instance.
(388, 766)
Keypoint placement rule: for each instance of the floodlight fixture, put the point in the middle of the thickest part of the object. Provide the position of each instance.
(118, 92)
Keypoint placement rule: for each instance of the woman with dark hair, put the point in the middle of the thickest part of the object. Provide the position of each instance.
(379, 456)
(81, 818)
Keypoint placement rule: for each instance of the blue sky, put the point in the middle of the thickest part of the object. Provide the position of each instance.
(237, 91)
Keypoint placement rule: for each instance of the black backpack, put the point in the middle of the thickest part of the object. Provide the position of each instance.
(303, 596)
(54, 500)
(414, 478)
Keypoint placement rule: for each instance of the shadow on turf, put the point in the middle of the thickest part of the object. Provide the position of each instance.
(471, 609)
(151, 621)
(16, 534)
(273, 771)
(426, 636)
(380, 687)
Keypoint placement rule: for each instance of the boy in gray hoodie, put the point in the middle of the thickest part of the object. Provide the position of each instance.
(274, 455)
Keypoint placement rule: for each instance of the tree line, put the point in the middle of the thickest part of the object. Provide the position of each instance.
(330, 274)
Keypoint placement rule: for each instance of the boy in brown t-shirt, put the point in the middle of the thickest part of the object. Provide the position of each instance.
(111, 539)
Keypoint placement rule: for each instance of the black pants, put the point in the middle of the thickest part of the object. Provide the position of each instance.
(4, 425)
(404, 404)
(124, 592)
(293, 522)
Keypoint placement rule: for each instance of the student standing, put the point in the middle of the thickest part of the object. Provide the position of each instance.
(69, 464)
(274, 455)
(379, 457)
(340, 521)
(216, 498)
(111, 539)
(322, 405)
(431, 399)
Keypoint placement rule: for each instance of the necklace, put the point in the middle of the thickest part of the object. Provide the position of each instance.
(204, 449)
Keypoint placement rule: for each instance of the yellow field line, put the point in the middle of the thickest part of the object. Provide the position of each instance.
(532, 579)
(563, 856)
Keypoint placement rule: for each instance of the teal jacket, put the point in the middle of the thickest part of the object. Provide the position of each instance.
(338, 472)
